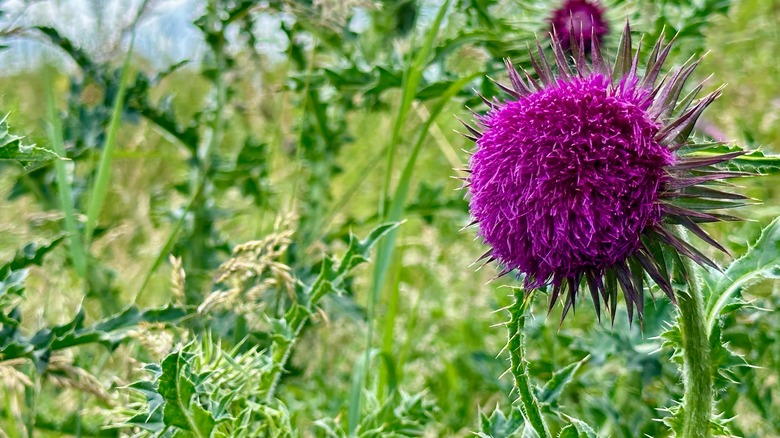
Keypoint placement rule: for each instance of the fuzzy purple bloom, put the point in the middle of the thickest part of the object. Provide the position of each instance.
(579, 178)
(579, 20)
(567, 179)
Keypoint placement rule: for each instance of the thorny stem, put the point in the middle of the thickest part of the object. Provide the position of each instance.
(284, 349)
(529, 405)
(697, 377)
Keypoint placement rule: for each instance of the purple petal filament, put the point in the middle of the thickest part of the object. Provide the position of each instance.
(565, 180)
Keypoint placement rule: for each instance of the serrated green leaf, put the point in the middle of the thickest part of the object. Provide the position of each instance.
(13, 274)
(582, 428)
(754, 161)
(672, 338)
(569, 432)
(11, 292)
(761, 261)
(11, 287)
(553, 388)
(529, 432)
(113, 330)
(358, 250)
(177, 390)
(757, 161)
(331, 277)
(12, 148)
(500, 425)
(724, 361)
(108, 332)
(203, 420)
(718, 424)
(31, 254)
(151, 419)
(281, 330)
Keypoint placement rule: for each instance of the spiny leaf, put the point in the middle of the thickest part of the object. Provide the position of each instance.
(203, 420)
(401, 414)
(358, 249)
(761, 261)
(529, 432)
(718, 424)
(151, 419)
(756, 161)
(11, 288)
(724, 361)
(177, 390)
(582, 428)
(672, 338)
(108, 332)
(500, 425)
(553, 388)
(333, 274)
(577, 429)
(12, 148)
(31, 254)
(745, 160)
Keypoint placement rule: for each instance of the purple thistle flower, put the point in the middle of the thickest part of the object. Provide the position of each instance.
(578, 178)
(577, 22)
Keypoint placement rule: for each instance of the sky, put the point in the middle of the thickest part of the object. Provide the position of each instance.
(165, 34)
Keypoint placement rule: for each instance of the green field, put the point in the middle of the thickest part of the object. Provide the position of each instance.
(268, 239)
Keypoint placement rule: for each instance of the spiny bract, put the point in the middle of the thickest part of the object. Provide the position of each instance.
(581, 175)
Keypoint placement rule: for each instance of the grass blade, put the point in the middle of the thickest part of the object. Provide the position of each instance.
(100, 186)
(386, 247)
(411, 80)
(54, 130)
(169, 242)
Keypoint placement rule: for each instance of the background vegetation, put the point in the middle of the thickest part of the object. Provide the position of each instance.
(191, 269)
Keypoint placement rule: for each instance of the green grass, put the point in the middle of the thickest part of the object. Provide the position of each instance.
(417, 318)
(77, 252)
(101, 184)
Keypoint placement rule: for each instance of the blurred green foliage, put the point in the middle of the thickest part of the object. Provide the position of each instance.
(255, 171)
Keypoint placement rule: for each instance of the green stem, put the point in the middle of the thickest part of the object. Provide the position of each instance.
(282, 354)
(389, 330)
(697, 377)
(198, 260)
(529, 405)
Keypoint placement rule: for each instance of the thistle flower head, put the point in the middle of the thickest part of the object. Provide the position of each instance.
(578, 179)
(579, 21)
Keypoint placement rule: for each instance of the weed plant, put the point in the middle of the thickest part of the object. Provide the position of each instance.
(265, 241)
